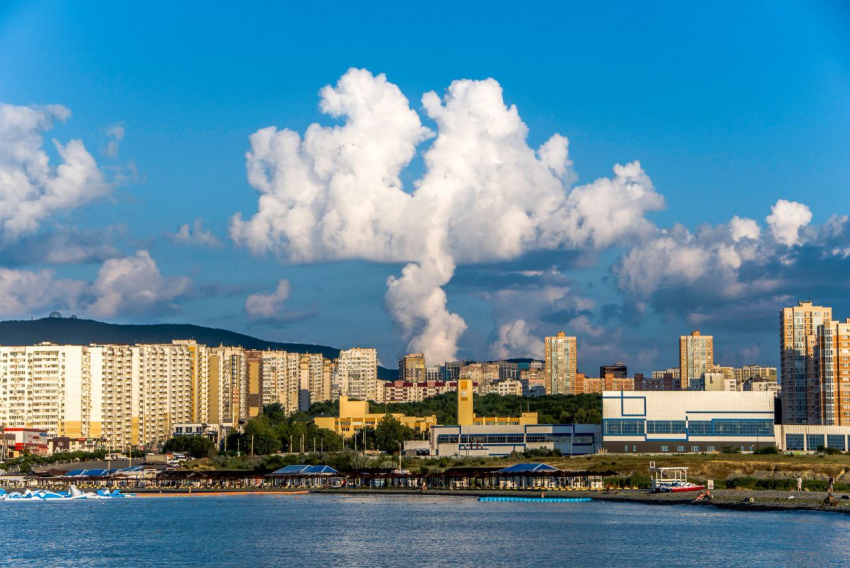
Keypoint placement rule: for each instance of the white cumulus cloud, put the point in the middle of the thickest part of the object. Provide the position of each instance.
(124, 286)
(194, 234)
(485, 194)
(134, 285)
(786, 219)
(31, 189)
(268, 306)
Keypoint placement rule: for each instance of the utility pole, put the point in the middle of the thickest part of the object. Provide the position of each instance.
(399, 455)
(252, 445)
(302, 442)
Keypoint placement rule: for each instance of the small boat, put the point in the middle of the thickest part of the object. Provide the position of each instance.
(671, 480)
(73, 494)
(680, 487)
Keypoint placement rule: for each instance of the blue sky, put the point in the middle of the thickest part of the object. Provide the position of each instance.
(729, 108)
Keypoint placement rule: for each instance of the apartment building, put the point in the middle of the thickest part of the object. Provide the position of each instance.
(412, 368)
(799, 376)
(833, 365)
(561, 364)
(483, 374)
(46, 387)
(357, 375)
(404, 391)
(696, 357)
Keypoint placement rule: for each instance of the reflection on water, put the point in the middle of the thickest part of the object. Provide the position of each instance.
(338, 530)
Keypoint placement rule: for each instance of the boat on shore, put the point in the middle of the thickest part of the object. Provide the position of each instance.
(671, 480)
(73, 494)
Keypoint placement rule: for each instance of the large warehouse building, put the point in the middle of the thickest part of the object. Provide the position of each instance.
(686, 421)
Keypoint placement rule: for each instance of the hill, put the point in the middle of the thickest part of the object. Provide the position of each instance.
(72, 331)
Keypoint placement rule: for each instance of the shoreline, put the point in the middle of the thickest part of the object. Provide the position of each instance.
(727, 499)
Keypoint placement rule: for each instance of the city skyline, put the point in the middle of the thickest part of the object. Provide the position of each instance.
(702, 189)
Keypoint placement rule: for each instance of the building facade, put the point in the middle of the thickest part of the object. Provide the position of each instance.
(833, 368)
(560, 366)
(357, 375)
(696, 357)
(797, 339)
(687, 421)
(412, 368)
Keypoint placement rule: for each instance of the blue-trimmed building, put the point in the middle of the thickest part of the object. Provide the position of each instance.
(687, 421)
(502, 440)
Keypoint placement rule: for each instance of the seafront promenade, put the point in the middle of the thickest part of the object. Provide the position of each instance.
(733, 499)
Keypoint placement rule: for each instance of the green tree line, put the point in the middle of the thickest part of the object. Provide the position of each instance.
(550, 409)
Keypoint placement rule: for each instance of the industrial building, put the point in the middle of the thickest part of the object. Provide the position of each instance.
(686, 421)
(499, 436)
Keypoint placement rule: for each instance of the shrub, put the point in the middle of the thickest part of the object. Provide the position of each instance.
(635, 480)
(768, 450)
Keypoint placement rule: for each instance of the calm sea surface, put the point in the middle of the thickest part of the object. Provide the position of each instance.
(316, 530)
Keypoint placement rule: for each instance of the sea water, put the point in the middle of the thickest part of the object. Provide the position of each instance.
(343, 530)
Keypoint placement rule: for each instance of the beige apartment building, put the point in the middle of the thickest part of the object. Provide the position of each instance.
(560, 365)
(47, 387)
(482, 374)
(833, 357)
(800, 382)
(696, 357)
(412, 368)
(356, 375)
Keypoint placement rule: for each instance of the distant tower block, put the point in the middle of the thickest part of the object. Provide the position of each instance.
(464, 402)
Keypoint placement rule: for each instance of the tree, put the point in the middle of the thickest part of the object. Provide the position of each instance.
(390, 433)
(196, 446)
(261, 437)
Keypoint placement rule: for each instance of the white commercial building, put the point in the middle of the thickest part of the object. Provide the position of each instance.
(502, 440)
(686, 421)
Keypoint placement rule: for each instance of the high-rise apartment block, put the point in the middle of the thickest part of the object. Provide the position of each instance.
(833, 362)
(696, 356)
(134, 395)
(798, 327)
(561, 365)
(357, 375)
(412, 368)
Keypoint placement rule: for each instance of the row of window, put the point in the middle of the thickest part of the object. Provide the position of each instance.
(815, 441)
(716, 427)
(562, 437)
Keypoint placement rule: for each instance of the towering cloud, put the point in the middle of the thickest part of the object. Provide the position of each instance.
(484, 196)
(31, 190)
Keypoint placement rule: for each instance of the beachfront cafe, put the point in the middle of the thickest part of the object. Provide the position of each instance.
(539, 476)
(306, 476)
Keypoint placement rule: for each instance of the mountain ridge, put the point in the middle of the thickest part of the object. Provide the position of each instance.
(73, 331)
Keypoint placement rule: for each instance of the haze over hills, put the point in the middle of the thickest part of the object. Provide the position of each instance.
(72, 331)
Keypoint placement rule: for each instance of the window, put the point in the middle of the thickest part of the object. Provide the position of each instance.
(699, 427)
(710, 449)
(814, 441)
(680, 448)
(665, 448)
(665, 426)
(741, 427)
(694, 448)
(794, 442)
(627, 448)
(619, 427)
